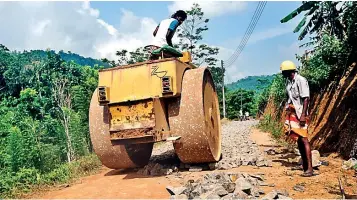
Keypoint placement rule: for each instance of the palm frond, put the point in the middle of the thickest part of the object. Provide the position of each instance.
(304, 7)
(305, 30)
(300, 25)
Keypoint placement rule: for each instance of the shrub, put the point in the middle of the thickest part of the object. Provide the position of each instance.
(269, 124)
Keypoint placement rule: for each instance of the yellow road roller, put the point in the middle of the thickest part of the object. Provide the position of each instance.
(162, 99)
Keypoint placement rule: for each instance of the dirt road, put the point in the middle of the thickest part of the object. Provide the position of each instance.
(240, 137)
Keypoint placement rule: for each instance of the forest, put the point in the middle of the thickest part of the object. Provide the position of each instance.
(44, 102)
(43, 117)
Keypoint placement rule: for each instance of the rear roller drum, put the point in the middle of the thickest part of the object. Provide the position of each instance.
(113, 156)
(198, 121)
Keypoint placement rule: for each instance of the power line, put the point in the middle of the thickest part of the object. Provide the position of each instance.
(246, 31)
(250, 29)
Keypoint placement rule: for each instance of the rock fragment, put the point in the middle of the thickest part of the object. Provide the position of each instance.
(175, 190)
(299, 188)
(195, 169)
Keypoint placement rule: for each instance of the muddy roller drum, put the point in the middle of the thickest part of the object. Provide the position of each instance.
(113, 156)
(198, 121)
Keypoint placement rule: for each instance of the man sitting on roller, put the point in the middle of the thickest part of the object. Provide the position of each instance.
(165, 30)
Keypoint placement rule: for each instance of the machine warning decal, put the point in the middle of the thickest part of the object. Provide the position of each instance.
(159, 74)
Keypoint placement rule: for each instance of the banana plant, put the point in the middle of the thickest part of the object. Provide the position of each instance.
(323, 17)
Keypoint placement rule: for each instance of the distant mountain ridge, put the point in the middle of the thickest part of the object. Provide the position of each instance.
(251, 82)
(69, 56)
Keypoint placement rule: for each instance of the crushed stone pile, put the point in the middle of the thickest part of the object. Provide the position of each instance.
(226, 185)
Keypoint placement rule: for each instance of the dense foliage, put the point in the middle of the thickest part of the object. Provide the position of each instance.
(237, 100)
(69, 56)
(333, 48)
(43, 116)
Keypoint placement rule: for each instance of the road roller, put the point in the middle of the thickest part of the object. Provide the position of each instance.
(162, 99)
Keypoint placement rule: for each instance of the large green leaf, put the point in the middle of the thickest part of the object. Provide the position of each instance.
(305, 30)
(313, 9)
(304, 7)
(301, 24)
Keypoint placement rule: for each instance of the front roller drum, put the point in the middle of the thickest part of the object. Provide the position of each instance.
(198, 122)
(113, 156)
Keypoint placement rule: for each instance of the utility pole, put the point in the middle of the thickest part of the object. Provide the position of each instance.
(224, 100)
(241, 99)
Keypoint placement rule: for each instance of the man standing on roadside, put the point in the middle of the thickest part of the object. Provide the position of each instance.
(296, 123)
(240, 115)
(246, 115)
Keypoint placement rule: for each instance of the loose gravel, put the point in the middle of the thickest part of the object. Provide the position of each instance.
(237, 150)
(225, 185)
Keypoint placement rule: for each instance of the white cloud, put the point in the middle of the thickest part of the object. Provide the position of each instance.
(70, 26)
(289, 51)
(92, 12)
(233, 72)
(269, 33)
(210, 8)
(76, 27)
(128, 21)
(40, 26)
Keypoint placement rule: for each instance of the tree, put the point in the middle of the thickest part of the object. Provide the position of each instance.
(324, 18)
(237, 100)
(123, 57)
(190, 35)
(111, 63)
(130, 57)
(350, 19)
(5, 59)
(64, 102)
(44, 103)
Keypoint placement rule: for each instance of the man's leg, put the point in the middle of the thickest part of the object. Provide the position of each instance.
(308, 154)
(301, 147)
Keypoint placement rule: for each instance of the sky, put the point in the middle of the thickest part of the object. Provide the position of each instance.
(98, 29)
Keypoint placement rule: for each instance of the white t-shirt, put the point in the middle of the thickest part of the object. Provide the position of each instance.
(160, 38)
(297, 89)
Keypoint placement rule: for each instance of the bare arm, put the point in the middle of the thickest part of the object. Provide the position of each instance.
(304, 94)
(169, 36)
(305, 105)
(304, 111)
(157, 28)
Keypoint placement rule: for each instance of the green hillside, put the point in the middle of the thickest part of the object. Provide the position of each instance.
(69, 56)
(251, 82)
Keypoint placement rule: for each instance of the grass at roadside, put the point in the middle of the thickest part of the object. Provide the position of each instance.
(25, 181)
(271, 125)
(275, 128)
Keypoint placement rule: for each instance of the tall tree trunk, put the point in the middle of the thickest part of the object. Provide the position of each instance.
(63, 99)
(66, 120)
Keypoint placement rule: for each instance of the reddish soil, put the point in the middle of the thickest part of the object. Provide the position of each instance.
(323, 186)
(127, 184)
(333, 114)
